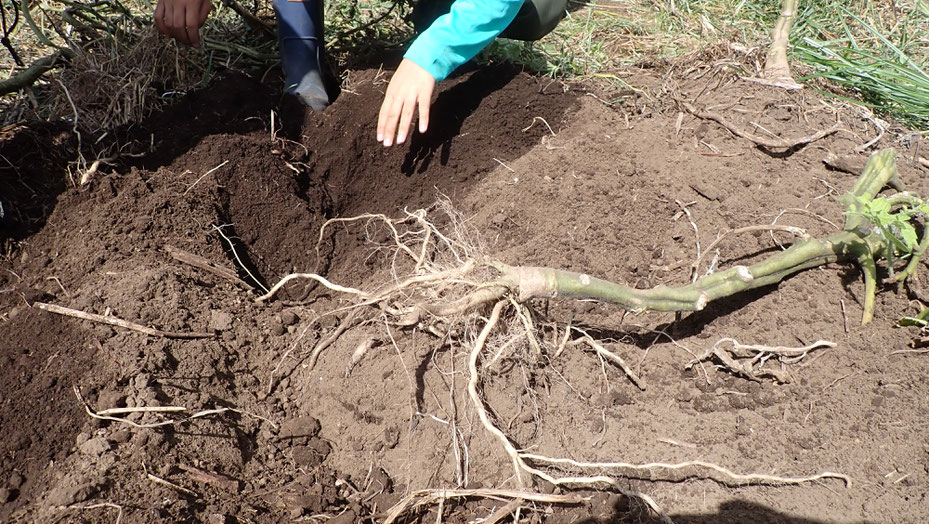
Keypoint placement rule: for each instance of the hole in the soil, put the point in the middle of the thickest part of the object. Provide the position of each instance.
(454, 106)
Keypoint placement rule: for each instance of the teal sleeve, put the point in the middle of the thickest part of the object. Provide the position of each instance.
(455, 37)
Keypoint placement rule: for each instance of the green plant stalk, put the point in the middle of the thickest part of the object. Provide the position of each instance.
(910, 269)
(39, 34)
(547, 282)
(857, 242)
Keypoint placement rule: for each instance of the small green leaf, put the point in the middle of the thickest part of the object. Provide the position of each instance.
(911, 321)
(907, 233)
(879, 207)
(924, 314)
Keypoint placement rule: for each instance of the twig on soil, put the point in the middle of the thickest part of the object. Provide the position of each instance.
(510, 508)
(609, 355)
(715, 472)
(770, 143)
(113, 321)
(221, 481)
(836, 381)
(272, 381)
(844, 316)
(206, 265)
(163, 482)
(693, 224)
(204, 175)
(219, 229)
(543, 121)
(119, 515)
(880, 134)
(911, 351)
(105, 415)
(741, 359)
(60, 285)
(678, 443)
(425, 497)
(141, 409)
(564, 341)
(510, 169)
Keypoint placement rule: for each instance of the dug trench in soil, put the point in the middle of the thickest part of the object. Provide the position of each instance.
(546, 178)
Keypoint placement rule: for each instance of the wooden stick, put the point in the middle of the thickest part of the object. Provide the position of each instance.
(222, 481)
(771, 143)
(113, 321)
(427, 496)
(210, 267)
(165, 409)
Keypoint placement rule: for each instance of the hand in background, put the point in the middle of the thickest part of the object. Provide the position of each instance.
(410, 89)
(182, 19)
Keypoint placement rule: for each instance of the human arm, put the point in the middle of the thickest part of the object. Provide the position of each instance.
(182, 19)
(453, 39)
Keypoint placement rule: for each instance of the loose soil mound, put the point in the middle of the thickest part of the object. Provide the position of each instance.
(547, 176)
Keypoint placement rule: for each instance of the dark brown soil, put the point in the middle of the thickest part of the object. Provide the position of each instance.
(548, 175)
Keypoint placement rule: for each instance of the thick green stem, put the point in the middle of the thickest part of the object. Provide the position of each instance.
(915, 257)
(880, 171)
(858, 243)
(536, 282)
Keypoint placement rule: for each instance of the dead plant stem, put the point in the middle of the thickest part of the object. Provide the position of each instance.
(113, 321)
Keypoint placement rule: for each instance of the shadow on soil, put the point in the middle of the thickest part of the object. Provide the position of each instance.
(733, 511)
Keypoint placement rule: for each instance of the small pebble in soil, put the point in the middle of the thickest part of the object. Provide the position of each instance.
(392, 436)
(70, 494)
(276, 328)
(299, 431)
(311, 455)
(289, 318)
(95, 447)
(122, 436)
(220, 320)
(16, 480)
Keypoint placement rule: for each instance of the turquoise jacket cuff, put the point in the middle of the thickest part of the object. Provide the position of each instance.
(455, 37)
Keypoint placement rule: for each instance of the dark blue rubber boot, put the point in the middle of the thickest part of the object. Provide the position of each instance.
(300, 34)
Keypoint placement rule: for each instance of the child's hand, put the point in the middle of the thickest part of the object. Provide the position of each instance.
(182, 19)
(410, 88)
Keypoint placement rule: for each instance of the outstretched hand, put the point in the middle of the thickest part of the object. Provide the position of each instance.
(410, 89)
(182, 19)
